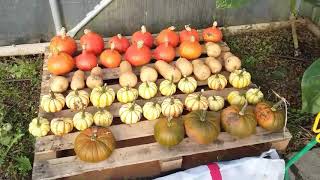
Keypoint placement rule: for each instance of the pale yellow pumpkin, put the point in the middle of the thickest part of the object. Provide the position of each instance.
(148, 90)
(52, 102)
(103, 118)
(102, 96)
(254, 95)
(77, 100)
(196, 101)
(127, 94)
(151, 110)
(216, 103)
(82, 120)
(187, 85)
(130, 113)
(217, 82)
(240, 78)
(39, 127)
(167, 88)
(171, 107)
(61, 126)
(235, 98)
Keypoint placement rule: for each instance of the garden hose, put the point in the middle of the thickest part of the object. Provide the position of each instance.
(306, 149)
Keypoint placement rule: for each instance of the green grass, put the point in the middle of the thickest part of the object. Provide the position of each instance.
(19, 92)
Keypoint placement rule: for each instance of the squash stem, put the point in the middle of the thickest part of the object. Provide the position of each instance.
(76, 92)
(83, 115)
(203, 115)
(38, 122)
(52, 95)
(94, 134)
(169, 121)
(132, 106)
(276, 105)
(243, 108)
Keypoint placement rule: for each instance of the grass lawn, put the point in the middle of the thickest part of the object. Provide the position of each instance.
(267, 55)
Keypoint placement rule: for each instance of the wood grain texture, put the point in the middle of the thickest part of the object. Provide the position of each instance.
(56, 168)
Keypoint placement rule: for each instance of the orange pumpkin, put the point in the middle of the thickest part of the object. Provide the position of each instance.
(190, 49)
(94, 144)
(269, 116)
(63, 43)
(60, 63)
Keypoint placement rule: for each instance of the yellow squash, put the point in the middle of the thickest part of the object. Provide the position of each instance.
(52, 102)
(171, 107)
(39, 127)
(103, 118)
(82, 120)
(217, 82)
(235, 98)
(127, 94)
(187, 85)
(196, 101)
(77, 100)
(167, 88)
(130, 113)
(102, 96)
(254, 95)
(61, 126)
(216, 103)
(240, 78)
(148, 90)
(151, 110)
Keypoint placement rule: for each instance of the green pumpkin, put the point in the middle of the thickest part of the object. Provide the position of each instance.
(169, 132)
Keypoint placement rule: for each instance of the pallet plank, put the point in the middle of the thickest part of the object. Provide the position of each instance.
(56, 168)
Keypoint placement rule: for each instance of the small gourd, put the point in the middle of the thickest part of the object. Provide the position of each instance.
(103, 118)
(254, 95)
(187, 85)
(148, 90)
(240, 78)
(151, 110)
(235, 98)
(127, 94)
(39, 127)
(167, 87)
(216, 103)
(196, 101)
(217, 82)
(171, 107)
(82, 120)
(61, 126)
(52, 102)
(102, 96)
(130, 113)
(77, 100)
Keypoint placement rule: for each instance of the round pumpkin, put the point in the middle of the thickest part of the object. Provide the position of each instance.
(151, 110)
(235, 98)
(52, 102)
(127, 94)
(254, 95)
(60, 63)
(216, 103)
(94, 144)
(103, 118)
(171, 107)
(167, 88)
(130, 113)
(102, 96)
(269, 116)
(61, 126)
(190, 49)
(77, 100)
(187, 85)
(196, 101)
(169, 132)
(239, 122)
(148, 90)
(202, 126)
(240, 78)
(63, 43)
(82, 120)
(39, 127)
(217, 82)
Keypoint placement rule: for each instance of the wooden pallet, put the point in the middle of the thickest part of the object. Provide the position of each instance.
(54, 156)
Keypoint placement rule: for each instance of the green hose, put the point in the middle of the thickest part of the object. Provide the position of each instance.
(296, 157)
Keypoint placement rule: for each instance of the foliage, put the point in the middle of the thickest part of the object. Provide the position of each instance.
(314, 2)
(23, 164)
(310, 88)
(224, 4)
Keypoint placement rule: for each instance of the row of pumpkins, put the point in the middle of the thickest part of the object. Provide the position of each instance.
(62, 47)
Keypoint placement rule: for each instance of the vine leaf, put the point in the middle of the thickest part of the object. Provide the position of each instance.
(225, 4)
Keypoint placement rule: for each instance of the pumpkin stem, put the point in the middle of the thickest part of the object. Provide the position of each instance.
(83, 115)
(94, 133)
(214, 97)
(243, 108)
(38, 122)
(242, 71)
(132, 106)
(104, 87)
(119, 36)
(200, 94)
(52, 95)
(187, 27)
(63, 32)
(203, 115)
(169, 121)
(140, 44)
(86, 31)
(215, 24)
(143, 29)
(83, 46)
(172, 100)
(112, 45)
(171, 28)
(192, 39)
(76, 92)
(276, 105)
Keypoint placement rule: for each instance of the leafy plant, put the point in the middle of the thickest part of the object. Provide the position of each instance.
(23, 164)
(224, 4)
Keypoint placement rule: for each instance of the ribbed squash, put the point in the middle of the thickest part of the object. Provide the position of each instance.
(202, 126)
(77, 100)
(127, 94)
(216, 103)
(130, 113)
(171, 107)
(239, 121)
(103, 118)
(235, 98)
(270, 116)
(196, 101)
(187, 85)
(254, 95)
(148, 90)
(217, 82)
(61, 126)
(167, 88)
(94, 144)
(102, 96)
(39, 127)
(169, 132)
(52, 102)
(151, 110)
(240, 78)
(82, 120)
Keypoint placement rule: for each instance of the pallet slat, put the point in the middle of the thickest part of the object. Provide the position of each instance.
(56, 168)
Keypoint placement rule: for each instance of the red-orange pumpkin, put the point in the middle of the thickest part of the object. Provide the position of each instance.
(110, 58)
(187, 33)
(168, 35)
(94, 42)
(63, 43)
(86, 60)
(143, 35)
(212, 34)
(190, 49)
(60, 63)
(138, 54)
(164, 52)
(121, 44)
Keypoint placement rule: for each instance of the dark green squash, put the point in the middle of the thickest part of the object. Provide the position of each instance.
(169, 131)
